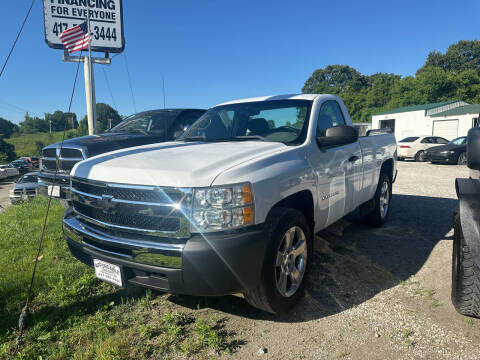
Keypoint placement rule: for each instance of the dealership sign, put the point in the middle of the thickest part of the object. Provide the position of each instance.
(106, 22)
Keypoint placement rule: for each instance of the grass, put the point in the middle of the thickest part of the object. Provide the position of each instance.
(73, 315)
(406, 336)
(30, 144)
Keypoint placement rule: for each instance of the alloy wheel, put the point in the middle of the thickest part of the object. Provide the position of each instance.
(291, 261)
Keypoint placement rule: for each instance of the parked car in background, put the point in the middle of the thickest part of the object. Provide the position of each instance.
(10, 170)
(231, 206)
(3, 174)
(22, 165)
(147, 127)
(414, 147)
(34, 160)
(25, 188)
(466, 240)
(455, 152)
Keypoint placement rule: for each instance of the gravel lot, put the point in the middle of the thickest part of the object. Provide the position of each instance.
(372, 293)
(5, 187)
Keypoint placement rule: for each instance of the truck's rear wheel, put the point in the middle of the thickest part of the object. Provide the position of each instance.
(465, 276)
(381, 202)
(285, 264)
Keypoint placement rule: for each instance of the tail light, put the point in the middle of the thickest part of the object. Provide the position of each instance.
(404, 147)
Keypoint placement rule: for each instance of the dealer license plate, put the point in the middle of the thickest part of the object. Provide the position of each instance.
(54, 190)
(108, 272)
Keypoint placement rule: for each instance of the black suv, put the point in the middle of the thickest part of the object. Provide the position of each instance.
(466, 243)
(147, 127)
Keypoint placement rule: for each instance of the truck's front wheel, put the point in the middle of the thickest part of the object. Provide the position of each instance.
(286, 261)
(465, 276)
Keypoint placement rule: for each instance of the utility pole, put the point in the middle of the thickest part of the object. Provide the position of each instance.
(90, 83)
(50, 123)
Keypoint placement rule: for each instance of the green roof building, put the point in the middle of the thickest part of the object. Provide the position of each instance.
(448, 119)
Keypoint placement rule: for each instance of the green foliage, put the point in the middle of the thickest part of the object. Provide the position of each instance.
(75, 316)
(450, 76)
(32, 144)
(7, 128)
(107, 117)
(7, 152)
(59, 118)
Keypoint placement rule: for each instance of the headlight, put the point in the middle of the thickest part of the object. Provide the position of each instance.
(11, 192)
(448, 152)
(222, 208)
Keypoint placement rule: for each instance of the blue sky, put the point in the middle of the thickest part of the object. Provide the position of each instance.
(213, 51)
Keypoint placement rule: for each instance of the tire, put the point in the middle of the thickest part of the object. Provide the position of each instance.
(462, 159)
(381, 202)
(465, 276)
(420, 156)
(280, 259)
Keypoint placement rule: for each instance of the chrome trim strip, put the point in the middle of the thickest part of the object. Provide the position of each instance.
(122, 201)
(143, 252)
(120, 227)
(62, 159)
(136, 187)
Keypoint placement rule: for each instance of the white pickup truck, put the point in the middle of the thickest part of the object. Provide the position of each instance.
(232, 205)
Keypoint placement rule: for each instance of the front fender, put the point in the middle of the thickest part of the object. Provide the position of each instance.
(468, 191)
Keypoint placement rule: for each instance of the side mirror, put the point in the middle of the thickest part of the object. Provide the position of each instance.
(338, 135)
(473, 148)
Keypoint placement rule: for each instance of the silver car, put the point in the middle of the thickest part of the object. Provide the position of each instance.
(25, 188)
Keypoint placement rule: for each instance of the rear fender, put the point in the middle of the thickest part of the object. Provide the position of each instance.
(468, 191)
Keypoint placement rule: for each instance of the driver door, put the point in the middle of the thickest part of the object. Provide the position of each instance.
(336, 169)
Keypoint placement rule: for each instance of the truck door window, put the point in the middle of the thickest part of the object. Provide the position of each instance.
(330, 115)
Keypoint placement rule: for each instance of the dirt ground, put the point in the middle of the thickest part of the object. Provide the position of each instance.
(371, 293)
(5, 187)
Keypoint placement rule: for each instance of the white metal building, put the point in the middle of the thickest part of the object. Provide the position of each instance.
(449, 119)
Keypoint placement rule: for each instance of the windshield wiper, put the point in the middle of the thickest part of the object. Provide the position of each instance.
(247, 137)
(195, 138)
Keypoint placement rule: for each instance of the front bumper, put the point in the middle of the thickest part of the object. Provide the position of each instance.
(45, 179)
(209, 264)
(15, 199)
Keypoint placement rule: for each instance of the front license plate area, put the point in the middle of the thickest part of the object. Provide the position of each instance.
(108, 272)
(54, 190)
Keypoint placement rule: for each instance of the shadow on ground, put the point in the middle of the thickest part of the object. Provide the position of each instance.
(353, 262)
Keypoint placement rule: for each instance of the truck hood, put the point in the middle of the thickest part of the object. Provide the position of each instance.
(109, 141)
(176, 164)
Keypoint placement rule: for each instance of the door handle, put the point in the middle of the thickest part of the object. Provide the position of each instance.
(353, 158)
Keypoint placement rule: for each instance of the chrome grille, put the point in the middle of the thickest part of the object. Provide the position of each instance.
(146, 210)
(66, 158)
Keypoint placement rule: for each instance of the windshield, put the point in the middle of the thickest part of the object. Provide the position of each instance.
(28, 179)
(283, 121)
(458, 141)
(155, 123)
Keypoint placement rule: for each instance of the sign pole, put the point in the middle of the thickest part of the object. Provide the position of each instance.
(89, 83)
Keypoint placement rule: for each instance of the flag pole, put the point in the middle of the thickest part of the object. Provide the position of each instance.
(89, 82)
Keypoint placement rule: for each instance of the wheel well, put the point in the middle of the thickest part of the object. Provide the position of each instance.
(301, 201)
(387, 167)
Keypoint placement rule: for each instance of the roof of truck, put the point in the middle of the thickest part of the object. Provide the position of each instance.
(274, 97)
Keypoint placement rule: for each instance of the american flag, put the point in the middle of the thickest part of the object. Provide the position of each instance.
(76, 38)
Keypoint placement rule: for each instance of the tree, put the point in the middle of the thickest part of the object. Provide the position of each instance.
(33, 124)
(335, 79)
(464, 55)
(58, 120)
(7, 128)
(107, 117)
(7, 152)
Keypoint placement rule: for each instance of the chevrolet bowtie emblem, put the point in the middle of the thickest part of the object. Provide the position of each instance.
(107, 202)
